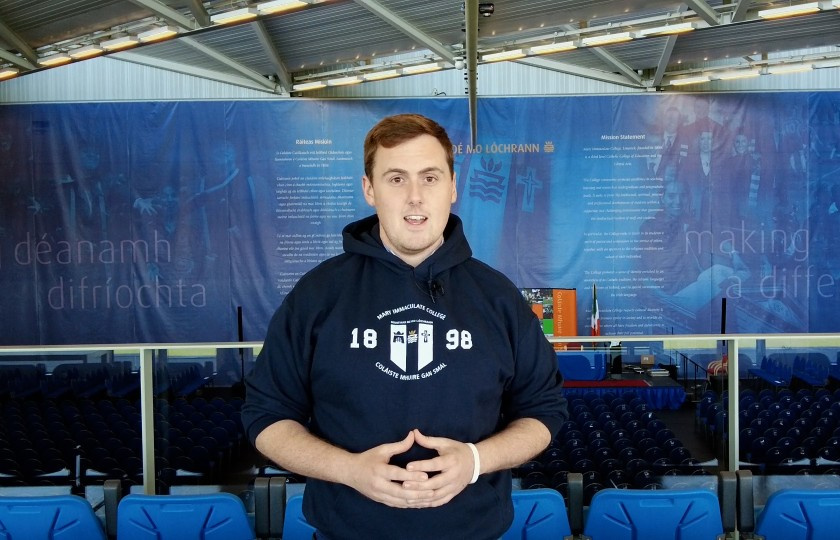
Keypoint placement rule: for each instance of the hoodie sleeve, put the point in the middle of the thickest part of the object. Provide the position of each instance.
(278, 386)
(536, 388)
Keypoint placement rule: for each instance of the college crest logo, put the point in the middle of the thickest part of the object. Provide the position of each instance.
(412, 344)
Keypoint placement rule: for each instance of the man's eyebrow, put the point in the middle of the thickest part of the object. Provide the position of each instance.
(421, 171)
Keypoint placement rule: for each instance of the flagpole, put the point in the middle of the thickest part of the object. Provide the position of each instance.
(595, 318)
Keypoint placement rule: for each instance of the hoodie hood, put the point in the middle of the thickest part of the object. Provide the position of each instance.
(362, 238)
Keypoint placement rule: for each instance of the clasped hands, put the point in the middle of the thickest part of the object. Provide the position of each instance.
(421, 484)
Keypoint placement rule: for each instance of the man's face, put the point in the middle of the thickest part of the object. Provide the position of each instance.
(701, 108)
(672, 121)
(674, 200)
(90, 159)
(706, 141)
(741, 144)
(412, 191)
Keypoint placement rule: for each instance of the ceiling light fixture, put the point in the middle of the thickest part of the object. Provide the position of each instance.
(421, 68)
(236, 15)
(276, 6)
(120, 43)
(736, 74)
(697, 79)
(303, 87)
(88, 51)
(827, 63)
(789, 11)
(783, 69)
(8, 73)
(344, 81)
(678, 28)
(55, 60)
(157, 33)
(504, 55)
(379, 75)
(606, 39)
(553, 47)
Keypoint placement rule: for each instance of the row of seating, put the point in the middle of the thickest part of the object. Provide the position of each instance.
(88, 380)
(539, 514)
(613, 441)
(666, 514)
(54, 442)
(779, 428)
(779, 369)
(217, 516)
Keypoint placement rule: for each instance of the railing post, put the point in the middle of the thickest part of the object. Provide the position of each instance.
(732, 373)
(147, 419)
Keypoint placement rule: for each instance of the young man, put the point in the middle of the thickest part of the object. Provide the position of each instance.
(404, 378)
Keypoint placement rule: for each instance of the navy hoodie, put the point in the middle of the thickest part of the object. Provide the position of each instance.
(366, 348)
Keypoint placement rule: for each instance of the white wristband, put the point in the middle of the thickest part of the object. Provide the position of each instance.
(476, 462)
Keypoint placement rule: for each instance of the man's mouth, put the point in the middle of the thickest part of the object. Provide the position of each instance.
(415, 220)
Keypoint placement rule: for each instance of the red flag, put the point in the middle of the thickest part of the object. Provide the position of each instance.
(595, 325)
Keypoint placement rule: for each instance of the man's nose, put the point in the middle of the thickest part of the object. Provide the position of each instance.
(414, 192)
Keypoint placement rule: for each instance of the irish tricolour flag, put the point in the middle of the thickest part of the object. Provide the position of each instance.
(595, 324)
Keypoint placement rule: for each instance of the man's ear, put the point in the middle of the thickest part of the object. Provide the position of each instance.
(367, 191)
(454, 189)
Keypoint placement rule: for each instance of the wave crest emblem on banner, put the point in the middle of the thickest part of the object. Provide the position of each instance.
(485, 183)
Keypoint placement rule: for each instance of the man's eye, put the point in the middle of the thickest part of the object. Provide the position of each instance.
(431, 179)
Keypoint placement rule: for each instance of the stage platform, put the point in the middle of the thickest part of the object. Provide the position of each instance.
(586, 371)
(658, 392)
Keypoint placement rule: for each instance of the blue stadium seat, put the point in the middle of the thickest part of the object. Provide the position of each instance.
(794, 514)
(58, 517)
(582, 366)
(538, 514)
(295, 526)
(687, 514)
(212, 516)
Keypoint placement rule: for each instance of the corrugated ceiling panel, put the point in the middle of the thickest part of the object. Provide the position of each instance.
(242, 46)
(642, 53)
(27, 14)
(351, 30)
(181, 53)
(45, 22)
(501, 79)
(331, 36)
(743, 38)
(106, 79)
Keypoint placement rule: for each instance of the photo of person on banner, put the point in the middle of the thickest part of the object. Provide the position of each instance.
(682, 274)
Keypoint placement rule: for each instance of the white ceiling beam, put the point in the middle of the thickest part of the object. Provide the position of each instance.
(18, 43)
(408, 29)
(231, 63)
(199, 12)
(634, 79)
(740, 13)
(587, 73)
(664, 59)
(162, 10)
(273, 55)
(194, 71)
(16, 60)
(623, 68)
(704, 11)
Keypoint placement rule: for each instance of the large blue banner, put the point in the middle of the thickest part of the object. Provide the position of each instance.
(156, 222)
